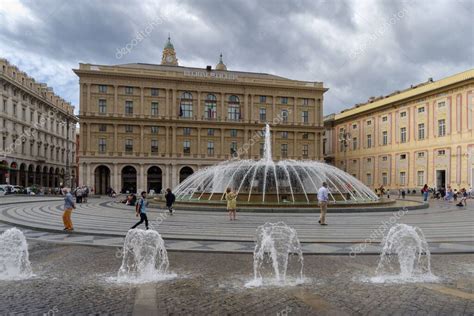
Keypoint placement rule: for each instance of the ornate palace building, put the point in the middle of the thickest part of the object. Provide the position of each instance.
(146, 126)
(37, 143)
(421, 135)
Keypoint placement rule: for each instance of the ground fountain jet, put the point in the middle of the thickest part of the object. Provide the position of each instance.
(266, 182)
(276, 242)
(405, 256)
(145, 258)
(14, 257)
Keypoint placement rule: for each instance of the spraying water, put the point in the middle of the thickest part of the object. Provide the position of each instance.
(14, 257)
(405, 256)
(275, 241)
(144, 257)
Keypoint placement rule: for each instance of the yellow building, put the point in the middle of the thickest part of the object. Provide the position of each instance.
(421, 135)
(146, 126)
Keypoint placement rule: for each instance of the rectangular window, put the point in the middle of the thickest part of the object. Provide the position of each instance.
(154, 129)
(210, 132)
(403, 156)
(154, 146)
(369, 179)
(102, 89)
(233, 133)
(384, 118)
(234, 112)
(186, 110)
(403, 114)
(186, 147)
(210, 148)
(384, 158)
(284, 116)
(102, 128)
(421, 178)
(354, 126)
(369, 141)
(441, 152)
(263, 114)
(102, 145)
(263, 99)
(421, 131)
(354, 143)
(305, 151)
(384, 178)
(421, 109)
(403, 135)
(441, 104)
(304, 117)
(284, 100)
(186, 131)
(102, 106)
(305, 135)
(403, 178)
(369, 160)
(128, 90)
(128, 107)
(23, 114)
(233, 148)
(284, 150)
(421, 154)
(14, 109)
(210, 111)
(284, 135)
(128, 128)
(369, 122)
(129, 146)
(305, 101)
(154, 92)
(441, 127)
(154, 108)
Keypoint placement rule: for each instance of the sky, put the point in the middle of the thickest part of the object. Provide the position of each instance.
(357, 48)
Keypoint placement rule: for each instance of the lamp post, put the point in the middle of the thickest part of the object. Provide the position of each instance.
(66, 176)
(344, 139)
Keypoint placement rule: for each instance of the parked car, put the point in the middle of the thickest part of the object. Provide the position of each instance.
(2, 191)
(7, 188)
(18, 189)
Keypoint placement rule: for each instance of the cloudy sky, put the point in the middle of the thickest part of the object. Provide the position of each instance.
(357, 48)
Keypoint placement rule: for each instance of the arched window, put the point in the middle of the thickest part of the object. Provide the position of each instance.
(210, 111)
(186, 105)
(234, 108)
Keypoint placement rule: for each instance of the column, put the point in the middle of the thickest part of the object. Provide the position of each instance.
(167, 147)
(273, 107)
(317, 148)
(223, 116)
(251, 110)
(295, 135)
(89, 180)
(88, 143)
(142, 102)
(295, 120)
(199, 105)
(173, 151)
(174, 110)
(141, 180)
(116, 106)
(115, 179)
(246, 108)
(88, 101)
(142, 140)
(199, 142)
(222, 141)
(116, 149)
(167, 103)
(246, 141)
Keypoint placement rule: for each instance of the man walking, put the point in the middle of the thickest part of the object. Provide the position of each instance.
(140, 209)
(170, 198)
(323, 193)
(68, 206)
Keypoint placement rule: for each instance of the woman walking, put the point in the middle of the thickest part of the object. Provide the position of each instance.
(231, 198)
(425, 192)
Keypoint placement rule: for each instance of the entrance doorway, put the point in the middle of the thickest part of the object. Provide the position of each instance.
(102, 179)
(440, 179)
(154, 179)
(129, 180)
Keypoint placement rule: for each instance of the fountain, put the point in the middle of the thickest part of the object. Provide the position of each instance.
(405, 256)
(276, 242)
(267, 182)
(14, 261)
(144, 257)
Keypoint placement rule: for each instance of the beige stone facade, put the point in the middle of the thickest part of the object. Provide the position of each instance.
(149, 126)
(37, 143)
(422, 135)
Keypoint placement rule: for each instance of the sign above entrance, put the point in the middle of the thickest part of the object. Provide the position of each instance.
(210, 74)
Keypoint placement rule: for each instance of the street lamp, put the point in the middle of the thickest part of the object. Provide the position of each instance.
(344, 139)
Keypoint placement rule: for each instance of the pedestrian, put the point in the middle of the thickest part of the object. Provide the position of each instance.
(425, 192)
(231, 198)
(323, 195)
(403, 193)
(68, 207)
(464, 195)
(140, 209)
(388, 193)
(170, 198)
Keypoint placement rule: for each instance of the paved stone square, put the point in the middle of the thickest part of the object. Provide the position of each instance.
(73, 279)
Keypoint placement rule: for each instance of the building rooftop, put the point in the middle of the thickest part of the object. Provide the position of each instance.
(400, 95)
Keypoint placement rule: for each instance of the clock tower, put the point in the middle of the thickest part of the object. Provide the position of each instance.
(169, 55)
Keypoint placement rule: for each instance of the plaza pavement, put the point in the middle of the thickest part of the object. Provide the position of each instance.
(103, 222)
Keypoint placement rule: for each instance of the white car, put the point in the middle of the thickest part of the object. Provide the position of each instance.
(2, 191)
